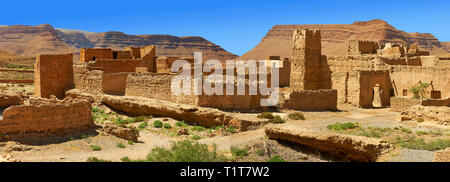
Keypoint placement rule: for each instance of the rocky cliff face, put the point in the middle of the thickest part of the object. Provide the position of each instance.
(277, 41)
(446, 46)
(32, 40)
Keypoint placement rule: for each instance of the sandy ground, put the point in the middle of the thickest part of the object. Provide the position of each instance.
(76, 148)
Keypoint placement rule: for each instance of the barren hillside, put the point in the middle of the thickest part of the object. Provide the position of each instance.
(334, 37)
(31, 40)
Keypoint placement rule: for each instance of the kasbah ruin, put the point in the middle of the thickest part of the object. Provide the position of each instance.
(382, 101)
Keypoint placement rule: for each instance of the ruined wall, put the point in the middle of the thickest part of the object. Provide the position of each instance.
(8, 99)
(116, 65)
(49, 116)
(53, 75)
(371, 79)
(135, 52)
(358, 47)
(86, 80)
(114, 83)
(164, 64)
(148, 58)
(155, 86)
(306, 60)
(400, 104)
(93, 54)
(122, 55)
(404, 77)
(313, 100)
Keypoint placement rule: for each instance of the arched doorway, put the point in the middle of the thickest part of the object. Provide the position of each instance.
(376, 96)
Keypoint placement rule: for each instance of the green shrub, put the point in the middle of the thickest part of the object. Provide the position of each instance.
(419, 120)
(198, 128)
(196, 137)
(95, 147)
(343, 126)
(120, 145)
(130, 142)
(406, 130)
(266, 115)
(260, 152)
(277, 119)
(157, 124)
(167, 125)
(418, 90)
(276, 158)
(239, 152)
(125, 159)
(95, 159)
(296, 116)
(231, 129)
(419, 143)
(139, 119)
(185, 151)
(94, 109)
(143, 125)
(180, 124)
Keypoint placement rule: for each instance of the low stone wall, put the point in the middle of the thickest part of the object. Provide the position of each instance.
(8, 99)
(440, 115)
(156, 86)
(313, 100)
(48, 116)
(402, 103)
(86, 80)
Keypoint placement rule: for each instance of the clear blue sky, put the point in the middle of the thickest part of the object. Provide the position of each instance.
(237, 26)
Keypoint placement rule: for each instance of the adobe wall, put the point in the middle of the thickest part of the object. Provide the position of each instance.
(89, 54)
(164, 64)
(148, 58)
(135, 52)
(114, 83)
(115, 65)
(47, 116)
(370, 79)
(122, 55)
(8, 99)
(357, 47)
(313, 100)
(347, 85)
(155, 86)
(306, 60)
(86, 80)
(400, 104)
(235, 102)
(404, 77)
(53, 75)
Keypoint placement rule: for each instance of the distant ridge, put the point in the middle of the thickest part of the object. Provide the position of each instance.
(277, 41)
(26, 40)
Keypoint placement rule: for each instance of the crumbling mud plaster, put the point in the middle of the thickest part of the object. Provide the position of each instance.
(313, 100)
(40, 115)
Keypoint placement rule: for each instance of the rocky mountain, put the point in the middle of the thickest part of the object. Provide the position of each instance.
(446, 46)
(277, 41)
(31, 40)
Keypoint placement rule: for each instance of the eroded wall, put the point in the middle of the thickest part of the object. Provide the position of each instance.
(53, 75)
(313, 100)
(46, 115)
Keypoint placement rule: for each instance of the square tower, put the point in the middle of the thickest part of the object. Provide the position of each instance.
(306, 60)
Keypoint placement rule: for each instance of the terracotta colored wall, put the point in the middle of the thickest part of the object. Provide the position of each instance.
(368, 80)
(114, 84)
(115, 65)
(155, 86)
(46, 117)
(87, 55)
(86, 80)
(404, 77)
(313, 100)
(53, 75)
